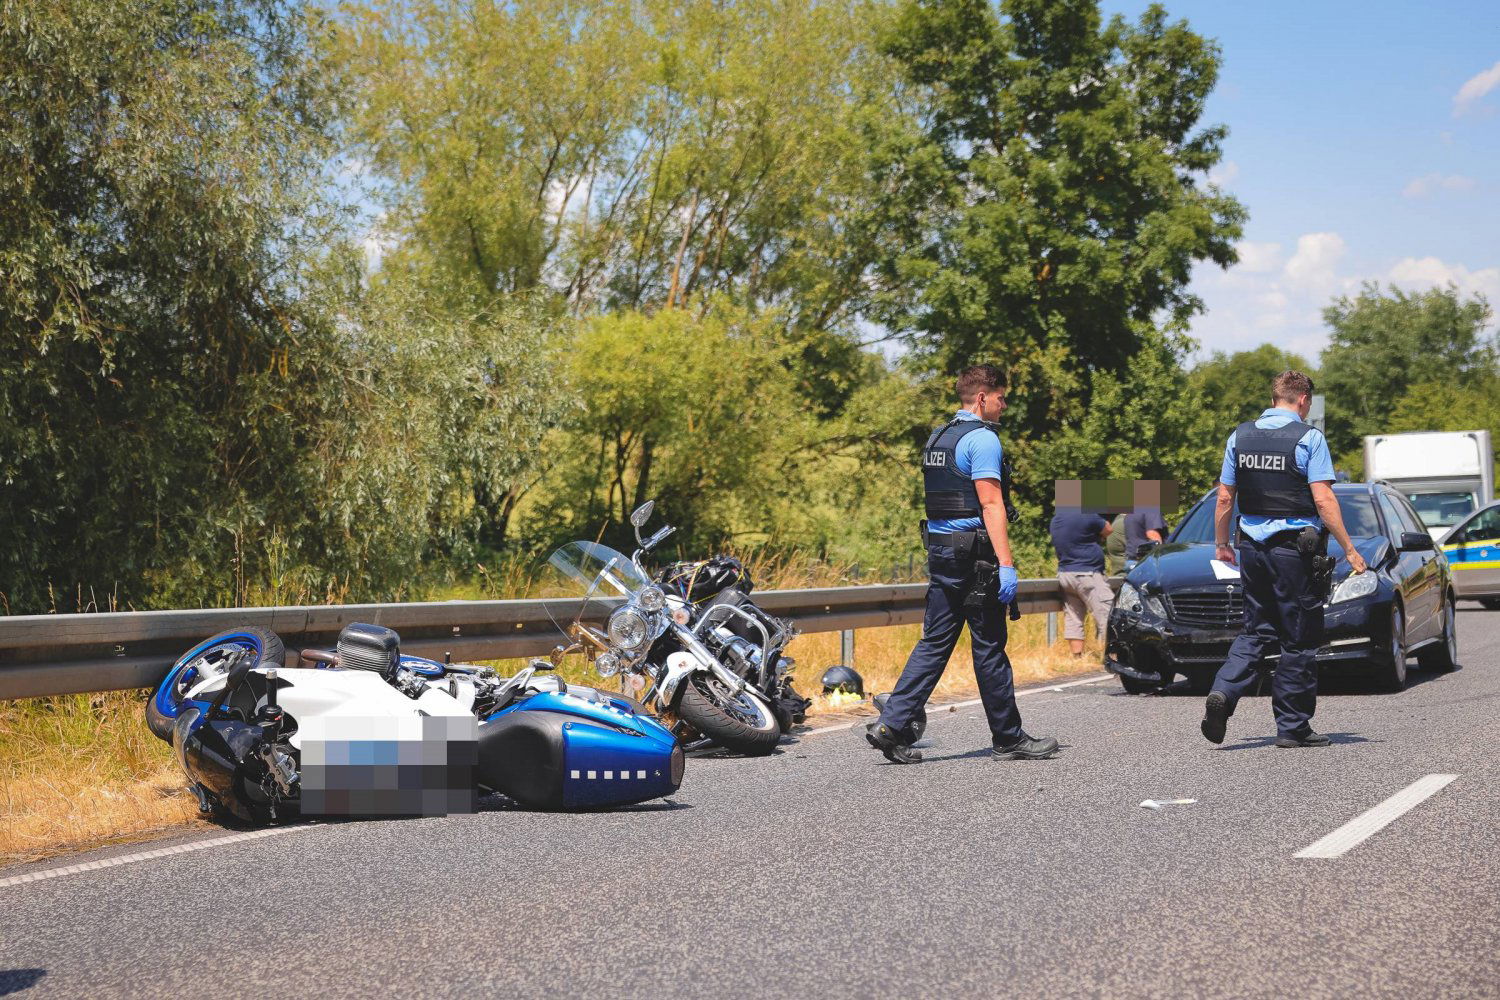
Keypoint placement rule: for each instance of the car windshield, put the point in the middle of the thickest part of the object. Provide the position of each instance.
(1357, 508)
(1442, 510)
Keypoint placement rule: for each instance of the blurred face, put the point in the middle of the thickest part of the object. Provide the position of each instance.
(989, 404)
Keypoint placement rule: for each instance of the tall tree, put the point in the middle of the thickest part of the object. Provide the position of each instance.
(158, 209)
(1237, 387)
(1057, 199)
(628, 154)
(1383, 342)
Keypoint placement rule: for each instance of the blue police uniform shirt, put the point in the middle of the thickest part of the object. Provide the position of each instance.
(1313, 461)
(978, 457)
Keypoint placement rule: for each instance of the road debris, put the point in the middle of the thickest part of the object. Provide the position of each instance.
(1163, 803)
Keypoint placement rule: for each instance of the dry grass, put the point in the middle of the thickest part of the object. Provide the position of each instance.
(880, 653)
(82, 770)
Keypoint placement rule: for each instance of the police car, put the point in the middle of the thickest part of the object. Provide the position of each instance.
(1472, 548)
(1177, 612)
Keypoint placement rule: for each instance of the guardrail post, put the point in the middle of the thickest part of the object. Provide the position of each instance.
(1051, 628)
(846, 647)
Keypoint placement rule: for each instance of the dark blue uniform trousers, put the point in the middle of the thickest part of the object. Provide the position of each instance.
(944, 620)
(1282, 614)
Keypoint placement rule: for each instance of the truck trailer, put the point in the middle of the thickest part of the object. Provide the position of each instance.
(1446, 474)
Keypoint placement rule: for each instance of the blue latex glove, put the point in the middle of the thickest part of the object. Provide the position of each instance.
(1009, 581)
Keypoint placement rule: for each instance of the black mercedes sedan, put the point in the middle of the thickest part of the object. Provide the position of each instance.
(1178, 611)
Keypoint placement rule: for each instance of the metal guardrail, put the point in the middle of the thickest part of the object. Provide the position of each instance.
(69, 654)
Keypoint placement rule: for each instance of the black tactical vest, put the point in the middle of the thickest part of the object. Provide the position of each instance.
(1265, 471)
(950, 493)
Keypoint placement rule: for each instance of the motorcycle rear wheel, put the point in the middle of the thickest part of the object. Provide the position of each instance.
(740, 723)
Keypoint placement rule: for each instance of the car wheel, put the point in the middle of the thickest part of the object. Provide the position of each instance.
(1442, 656)
(1390, 668)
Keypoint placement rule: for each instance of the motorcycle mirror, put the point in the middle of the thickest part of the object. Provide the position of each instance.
(639, 517)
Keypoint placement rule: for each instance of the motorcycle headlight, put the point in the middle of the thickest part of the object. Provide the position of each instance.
(606, 664)
(1355, 585)
(1129, 599)
(628, 628)
(651, 599)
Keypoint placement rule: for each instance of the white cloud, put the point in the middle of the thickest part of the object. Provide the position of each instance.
(1258, 258)
(1313, 265)
(1419, 272)
(352, 168)
(1429, 184)
(376, 243)
(1224, 174)
(1263, 300)
(1475, 88)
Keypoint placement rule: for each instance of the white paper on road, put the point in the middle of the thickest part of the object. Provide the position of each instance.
(1163, 803)
(1224, 571)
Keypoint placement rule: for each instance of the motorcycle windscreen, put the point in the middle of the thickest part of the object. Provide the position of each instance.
(413, 765)
(593, 572)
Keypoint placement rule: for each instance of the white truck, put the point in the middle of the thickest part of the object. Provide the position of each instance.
(1447, 475)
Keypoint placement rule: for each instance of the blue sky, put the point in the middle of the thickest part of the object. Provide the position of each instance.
(1365, 142)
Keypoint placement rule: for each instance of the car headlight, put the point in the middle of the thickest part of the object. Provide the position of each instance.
(628, 628)
(606, 664)
(1355, 585)
(1133, 601)
(651, 599)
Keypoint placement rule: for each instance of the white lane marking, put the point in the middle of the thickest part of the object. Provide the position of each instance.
(942, 710)
(160, 852)
(1372, 821)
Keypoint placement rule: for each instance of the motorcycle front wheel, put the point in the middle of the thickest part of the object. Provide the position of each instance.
(737, 721)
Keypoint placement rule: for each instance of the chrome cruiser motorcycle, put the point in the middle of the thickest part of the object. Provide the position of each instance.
(678, 658)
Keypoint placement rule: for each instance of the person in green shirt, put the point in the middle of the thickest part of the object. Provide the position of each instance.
(1114, 546)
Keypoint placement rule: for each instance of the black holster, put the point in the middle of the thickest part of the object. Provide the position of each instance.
(1312, 546)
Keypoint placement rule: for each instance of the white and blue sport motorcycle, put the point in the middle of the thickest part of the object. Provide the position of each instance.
(363, 729)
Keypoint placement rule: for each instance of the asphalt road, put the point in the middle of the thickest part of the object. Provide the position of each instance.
(824, 871)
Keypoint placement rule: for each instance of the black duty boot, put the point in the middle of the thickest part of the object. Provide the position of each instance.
(1215, 716)
(1026, 748)
(889, 742)
(1310, 739)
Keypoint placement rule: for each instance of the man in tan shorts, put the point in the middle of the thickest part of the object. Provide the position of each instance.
(1077, 535)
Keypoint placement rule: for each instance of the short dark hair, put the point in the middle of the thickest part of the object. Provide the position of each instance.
(979, 378)
(1291, 386)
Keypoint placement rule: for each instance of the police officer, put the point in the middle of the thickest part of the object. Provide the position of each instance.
(1280, 469)
(972, 577)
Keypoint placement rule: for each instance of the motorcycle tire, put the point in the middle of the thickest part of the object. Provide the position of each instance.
(699, 707)
(272, 650)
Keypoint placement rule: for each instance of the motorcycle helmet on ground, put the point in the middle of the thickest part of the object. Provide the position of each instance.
(845, 680)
